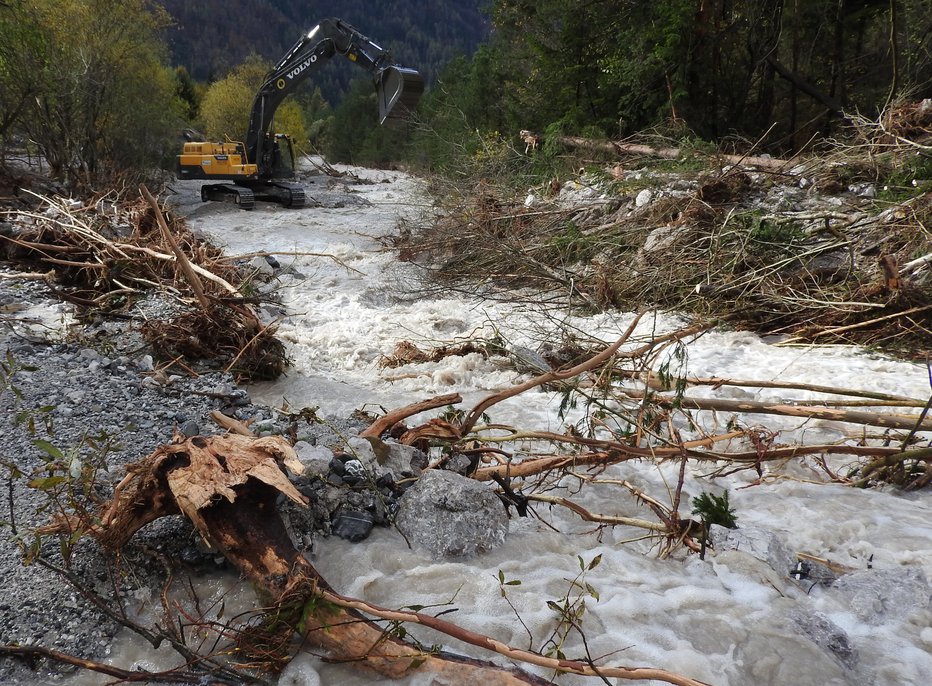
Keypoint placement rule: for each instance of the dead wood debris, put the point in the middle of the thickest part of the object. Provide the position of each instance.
(109, 252)
(833, 249)
(227, 486)
(406, 352)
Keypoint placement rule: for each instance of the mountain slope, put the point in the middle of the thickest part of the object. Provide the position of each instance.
(211, 36)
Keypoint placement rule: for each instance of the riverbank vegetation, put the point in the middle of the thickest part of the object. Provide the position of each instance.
(761, 165)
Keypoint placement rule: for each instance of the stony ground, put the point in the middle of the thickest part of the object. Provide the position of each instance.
(101, 388)
(93, 394)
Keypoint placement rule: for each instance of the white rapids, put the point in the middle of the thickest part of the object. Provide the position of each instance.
(729, 620)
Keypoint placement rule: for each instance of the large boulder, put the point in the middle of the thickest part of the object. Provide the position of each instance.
(879, 595)
(826, 634)
(760, 543)
(451, 515)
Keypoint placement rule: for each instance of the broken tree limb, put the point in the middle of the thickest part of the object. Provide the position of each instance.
(654, 382)
(29, 276)
(122, 675)
(540, 380)
(806, 87)
(598, 518)
(210, 276)
(592, 363)
(388, 420)
(183, 262)
(889, 421)
(482, 641)
(228, 486)
(859, 325)
(622, 148)
(233, 502)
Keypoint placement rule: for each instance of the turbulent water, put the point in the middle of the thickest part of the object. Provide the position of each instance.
(730, 620)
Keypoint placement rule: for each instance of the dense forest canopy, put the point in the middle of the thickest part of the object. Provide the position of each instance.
(96, 85)
(210, 37)
(722, 67)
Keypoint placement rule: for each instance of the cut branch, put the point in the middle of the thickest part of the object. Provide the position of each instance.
(889, 421)
(182, 259)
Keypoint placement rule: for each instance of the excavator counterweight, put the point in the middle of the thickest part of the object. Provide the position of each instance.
(257, 168)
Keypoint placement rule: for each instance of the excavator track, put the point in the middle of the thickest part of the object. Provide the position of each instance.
(229, 192)
(297, 198)
(285, 194)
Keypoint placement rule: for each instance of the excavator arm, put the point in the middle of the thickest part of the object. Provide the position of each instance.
(255, 167)
(398, 89)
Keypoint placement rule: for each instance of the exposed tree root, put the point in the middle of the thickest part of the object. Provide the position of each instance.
(228, 486)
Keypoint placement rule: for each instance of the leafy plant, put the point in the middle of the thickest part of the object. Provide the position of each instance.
(715, 509)
(571, 608)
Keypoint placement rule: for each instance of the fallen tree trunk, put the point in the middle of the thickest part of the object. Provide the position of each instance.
(621, 148)
(885, 420)
(228, 487)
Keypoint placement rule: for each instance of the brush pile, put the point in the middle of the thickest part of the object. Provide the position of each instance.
(835, 248)
(107, 254)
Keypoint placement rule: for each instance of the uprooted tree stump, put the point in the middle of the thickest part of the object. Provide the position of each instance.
(228, 486)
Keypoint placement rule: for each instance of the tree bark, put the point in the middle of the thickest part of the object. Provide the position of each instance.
(228, 487)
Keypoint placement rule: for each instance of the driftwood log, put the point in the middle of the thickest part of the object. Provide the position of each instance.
(622, 148)
(228, 486)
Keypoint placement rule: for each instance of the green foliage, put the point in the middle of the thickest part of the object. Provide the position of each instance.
(99, 96)
(354, 135)
(23, 416)
(912, 176)
(571, 608)
(22, 50)
(188, 92)
(226, 105)
(502, 582)
(69, 480)
(724, 69)
(715, 509)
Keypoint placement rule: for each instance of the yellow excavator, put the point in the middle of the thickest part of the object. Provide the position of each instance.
(259, 166)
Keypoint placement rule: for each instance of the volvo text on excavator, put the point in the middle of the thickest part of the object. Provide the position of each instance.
(259, 165)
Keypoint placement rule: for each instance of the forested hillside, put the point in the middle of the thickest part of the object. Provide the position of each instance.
(792, 70)
(211, 36)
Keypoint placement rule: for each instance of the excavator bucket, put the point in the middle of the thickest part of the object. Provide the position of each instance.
(398, 91)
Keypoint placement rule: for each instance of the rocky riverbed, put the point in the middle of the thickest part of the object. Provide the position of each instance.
(736, 618)
(90, 398)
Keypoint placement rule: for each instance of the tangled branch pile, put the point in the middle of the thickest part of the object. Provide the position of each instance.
(107, 254)
(835, 248)
(228, 487)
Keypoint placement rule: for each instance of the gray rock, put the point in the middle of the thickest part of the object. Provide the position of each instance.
(315, 458)
(452, 516)
(260, 265)
(352, 525)
(190, 428)
(460, 463)
(528, 361)
(879, 595)
(760, 543)
(362, 450)
(643, 198)
(404, 458)
(827, 635)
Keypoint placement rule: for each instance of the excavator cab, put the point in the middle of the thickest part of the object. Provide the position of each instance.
(398, 91)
